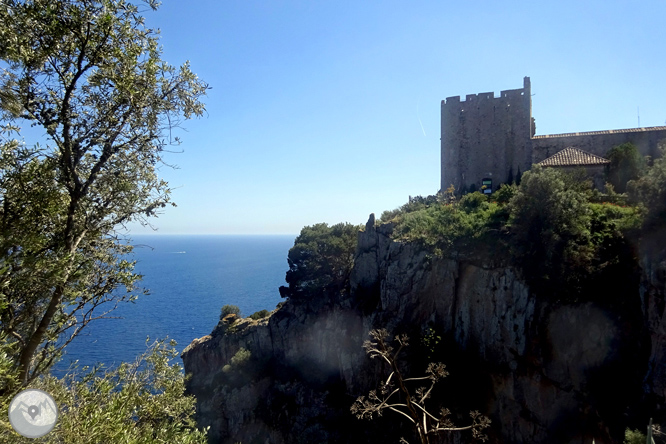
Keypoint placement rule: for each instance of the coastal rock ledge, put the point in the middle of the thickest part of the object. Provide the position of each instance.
(544, 371)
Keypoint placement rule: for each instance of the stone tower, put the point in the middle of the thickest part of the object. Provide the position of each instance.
(486, 137)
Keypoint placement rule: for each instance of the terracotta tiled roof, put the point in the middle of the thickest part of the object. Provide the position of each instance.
(574, 157)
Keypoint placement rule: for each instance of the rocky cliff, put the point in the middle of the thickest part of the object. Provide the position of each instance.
(545, 370)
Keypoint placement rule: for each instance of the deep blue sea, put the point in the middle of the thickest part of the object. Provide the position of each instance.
(190, 278)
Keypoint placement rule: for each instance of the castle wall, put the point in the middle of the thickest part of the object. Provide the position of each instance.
(599, 142)
(485, 136)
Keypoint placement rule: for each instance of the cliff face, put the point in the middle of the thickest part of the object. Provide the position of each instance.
(542, 370)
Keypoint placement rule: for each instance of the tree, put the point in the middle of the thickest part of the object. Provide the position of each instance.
(395, 395)
(550, 222)
(650, 190)
(320, 260)
(230, 309)
(626, 164)
(90, 74)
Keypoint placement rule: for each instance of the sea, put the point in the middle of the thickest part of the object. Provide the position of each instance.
(190, 278)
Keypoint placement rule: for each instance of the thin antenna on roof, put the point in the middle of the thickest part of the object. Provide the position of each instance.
(638, 112)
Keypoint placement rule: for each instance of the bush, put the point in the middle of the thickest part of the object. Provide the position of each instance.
(505, 193)
(259, 314)
(320, 260)
(634, 437)
(473, 201)
(230, 309)
(650, 190)
(446, 226)
(560, 239)
(626, 164)
(416, 203)
(143, 402)
(241, 357)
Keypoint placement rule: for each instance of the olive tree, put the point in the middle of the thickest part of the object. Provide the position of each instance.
(89, 75)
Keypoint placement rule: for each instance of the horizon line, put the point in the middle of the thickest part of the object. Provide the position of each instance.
(212, 234)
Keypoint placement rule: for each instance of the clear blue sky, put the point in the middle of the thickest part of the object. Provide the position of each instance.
(328, 111)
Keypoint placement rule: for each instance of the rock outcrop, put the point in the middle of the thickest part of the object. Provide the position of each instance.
(544, 371)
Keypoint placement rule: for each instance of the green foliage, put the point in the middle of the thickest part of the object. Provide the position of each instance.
(141, 402)
(650, 190)
(320, 260)
(557, 227)
(471, 202)
(89, 74)
(550, 225)
(634, 437)
(445, 226)
(413, 204)
(611, 220)
(389, 215)
(559, 237)
(431, 341)
(259, 314)
(505, 193)
(241, 357)
(626, 164)
(230, 309)
(238, 361)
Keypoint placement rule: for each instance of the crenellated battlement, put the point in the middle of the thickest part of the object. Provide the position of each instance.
(505, 94)
(492, 137)
(482, 134)
(510, 93)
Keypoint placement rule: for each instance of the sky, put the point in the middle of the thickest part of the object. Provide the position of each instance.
(329, 111)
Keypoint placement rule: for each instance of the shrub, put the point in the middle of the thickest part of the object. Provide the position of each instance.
(650, 190)
(230, 309)
(259, 314)
(447, 225)
(389, 215)
(141, 402)
(626, 164)
(634, 437)
(416, 203)
(505, 193)
(473, 201)
(241, 357)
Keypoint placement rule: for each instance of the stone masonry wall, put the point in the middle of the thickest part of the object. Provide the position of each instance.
(485, 136)
(599, 142)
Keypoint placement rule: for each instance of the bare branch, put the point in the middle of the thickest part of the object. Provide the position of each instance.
(414, 409)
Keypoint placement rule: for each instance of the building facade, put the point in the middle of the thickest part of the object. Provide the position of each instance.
(492, 139)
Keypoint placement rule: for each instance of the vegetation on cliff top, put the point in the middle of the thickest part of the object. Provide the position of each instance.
(554, 225)
(320, 260)
(560, 231)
